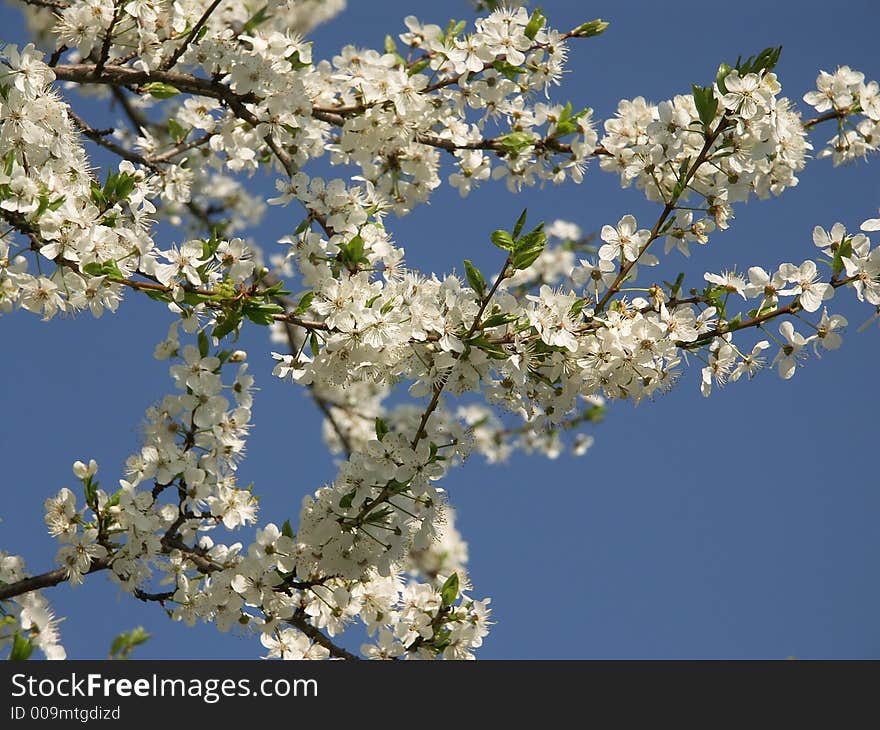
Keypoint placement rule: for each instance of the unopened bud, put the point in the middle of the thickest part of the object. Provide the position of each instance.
(588, 30)
(81, 471)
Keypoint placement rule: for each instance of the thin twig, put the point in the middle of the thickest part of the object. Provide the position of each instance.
(179, 51)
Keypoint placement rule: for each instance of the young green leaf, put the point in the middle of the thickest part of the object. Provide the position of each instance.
(503, 240)
(204, 344)
(347, 499)
(706, 103)
(449, 591)
(22, 648)
(125, 643)
(590, 29)
(520, 223)
(529, 248)
(177, 130)
(304, 303)
(475, 278)
(160, 90)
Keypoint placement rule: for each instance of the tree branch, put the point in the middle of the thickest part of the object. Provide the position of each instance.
(179, 51)
(47, 580)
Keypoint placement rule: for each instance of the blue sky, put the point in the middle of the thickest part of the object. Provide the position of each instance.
(742, 526)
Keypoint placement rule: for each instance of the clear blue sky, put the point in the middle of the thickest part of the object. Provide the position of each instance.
(740, 526)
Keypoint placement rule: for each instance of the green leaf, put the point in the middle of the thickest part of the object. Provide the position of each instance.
(256, 20)
(475, 278)
(529, 248)
(503, 240)
(304, 303)
(353, 252)
(204, 344)
(449, 591)
(520, 223)
(381, 428)
(124, 186)
(418, 67)
(491, 349)
(160, 90)
(286, 529)
(567, 122)
(22, 648)
(276, 290)
(508, 69)
(126, 642)
(723, 72)
(682, 181)
(453, 28)
(843, 251)
(496, 320)
(347, 499)
(675, 287)
(515, 142)
(536, 22)
(765, 61)
(595, 413)
(159, 296)
(90, 490)
(177, 131)
(706, 103)
(296, 62)
(390, 45)
(263, 314)
(43, 206)
(97, 195)
(9, 162)
(378, 517)
(226, 325)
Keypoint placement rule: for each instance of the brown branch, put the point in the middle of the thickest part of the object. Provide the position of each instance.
(626, 266)
(300, 621)
(108, 39)
(47, 580)
(387, 490)
(827, 117)
(179, 51)
(100, 138)
(137, 120)
(757, 320)
(157, 597)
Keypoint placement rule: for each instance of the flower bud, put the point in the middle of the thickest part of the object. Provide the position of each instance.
(81, 471)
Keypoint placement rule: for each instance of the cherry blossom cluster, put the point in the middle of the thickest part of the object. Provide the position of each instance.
(855, 105)
(95, 237)
(155, 28)
(416, 607)
(353, 414)
(391, 113)
(27, 621)
(752, 139)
